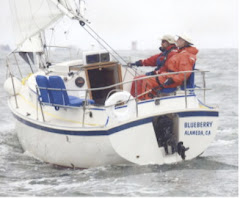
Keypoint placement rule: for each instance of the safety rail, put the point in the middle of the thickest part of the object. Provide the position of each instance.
(86, 106)
(130, 81)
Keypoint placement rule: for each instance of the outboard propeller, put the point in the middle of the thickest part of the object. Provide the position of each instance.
(181, 150)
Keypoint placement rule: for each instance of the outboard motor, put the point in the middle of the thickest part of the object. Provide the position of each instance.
(163, 127)
(164, 130)
(181, 150)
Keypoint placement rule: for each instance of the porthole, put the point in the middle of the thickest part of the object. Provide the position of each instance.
(79, 82)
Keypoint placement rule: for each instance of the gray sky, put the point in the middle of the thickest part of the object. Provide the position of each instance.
(210, 23)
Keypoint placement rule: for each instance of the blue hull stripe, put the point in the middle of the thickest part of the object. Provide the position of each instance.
(89, 132)
(112, 130)
(198, 114)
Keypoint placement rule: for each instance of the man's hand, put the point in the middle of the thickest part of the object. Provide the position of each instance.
(137, 63)
(167, 82)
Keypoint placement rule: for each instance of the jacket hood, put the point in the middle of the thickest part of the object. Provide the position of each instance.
(192, 50)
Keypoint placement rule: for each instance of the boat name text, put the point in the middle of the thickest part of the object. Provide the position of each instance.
(197, 124)
(195, 128)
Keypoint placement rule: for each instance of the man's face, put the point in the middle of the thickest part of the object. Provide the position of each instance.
(180, 42)
(164, 44)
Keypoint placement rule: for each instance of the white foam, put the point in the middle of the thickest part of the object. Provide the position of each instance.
(223, 142)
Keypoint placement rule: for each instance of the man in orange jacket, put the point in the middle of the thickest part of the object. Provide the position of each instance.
(168, 49)
(184, 60)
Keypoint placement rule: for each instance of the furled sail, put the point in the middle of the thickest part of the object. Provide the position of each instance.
(30, 17)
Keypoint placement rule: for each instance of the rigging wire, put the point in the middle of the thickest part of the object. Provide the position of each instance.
(97, 37)
(106, 43)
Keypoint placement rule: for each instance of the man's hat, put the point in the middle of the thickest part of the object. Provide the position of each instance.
(186, 38)
(169, 39)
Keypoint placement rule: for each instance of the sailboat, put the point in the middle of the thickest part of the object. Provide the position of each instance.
(80, 113)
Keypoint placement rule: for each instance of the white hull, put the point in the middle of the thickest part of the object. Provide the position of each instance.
(67, 150)
(132, 141)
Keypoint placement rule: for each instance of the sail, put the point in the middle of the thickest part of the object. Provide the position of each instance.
(33, 44)
(30, 17)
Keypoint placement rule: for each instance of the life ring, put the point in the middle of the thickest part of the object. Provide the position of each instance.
(123, 113)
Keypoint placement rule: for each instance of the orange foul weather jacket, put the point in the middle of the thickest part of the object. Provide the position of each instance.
(184, 60)
(159, 60)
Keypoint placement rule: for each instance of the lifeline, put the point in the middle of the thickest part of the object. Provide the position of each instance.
(197, 124)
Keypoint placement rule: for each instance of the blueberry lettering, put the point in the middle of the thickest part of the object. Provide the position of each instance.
(197, 124)
(197, 128)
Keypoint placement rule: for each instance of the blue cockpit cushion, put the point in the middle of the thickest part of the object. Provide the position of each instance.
(42, 82)
(59, 96)
(75, 101)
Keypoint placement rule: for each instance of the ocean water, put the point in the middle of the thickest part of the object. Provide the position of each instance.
(214, 173)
